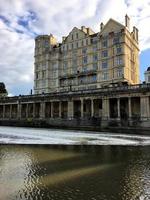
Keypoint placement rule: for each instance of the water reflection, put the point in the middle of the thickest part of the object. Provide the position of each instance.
(74, 172)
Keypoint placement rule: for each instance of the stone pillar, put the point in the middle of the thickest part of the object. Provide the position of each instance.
(19, 110)
(34, 111)
(60, 109)
(3, 111)
(105, 109)
(92, 107)
(42, 110)
(129, 105)
(82, 106)
(27, 110)
(144, 107)
(10, 111)
(118, 107)
(52, 110)
(70, 109)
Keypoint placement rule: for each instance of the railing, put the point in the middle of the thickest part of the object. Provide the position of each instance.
(106, 90)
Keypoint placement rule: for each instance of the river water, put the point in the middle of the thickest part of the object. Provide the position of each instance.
(73, 165)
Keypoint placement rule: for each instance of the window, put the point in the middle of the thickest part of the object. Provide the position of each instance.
(104, 65)
(94, 40)
(149, 79)
(119, 61)
(94, 78)
(72, 36)
(119, 73)
(105, 76)
(82, 43)
(95, 47)
(119, 50)
(43, 74)
(46, 44)
(77, 45)
(72, 45)
(104, 43)
(85, 60)
(116, 40)
(37, 75)
(74, 62)
(84, 50)
(104, 53)
(84, 68)
(95, 66)
(95, 58)
(86, 41)
(65, 64)
(76, 35)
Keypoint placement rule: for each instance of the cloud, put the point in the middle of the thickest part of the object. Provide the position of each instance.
(21, 21)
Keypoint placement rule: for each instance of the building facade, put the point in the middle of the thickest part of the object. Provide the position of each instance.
(87, 60)
(147, 75)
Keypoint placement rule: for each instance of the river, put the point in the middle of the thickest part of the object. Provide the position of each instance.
(44, 164)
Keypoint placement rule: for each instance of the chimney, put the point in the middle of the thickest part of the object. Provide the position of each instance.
(88, 31)
(135, 33)
(127, 21)
(52, 39)
(101, 26)
(83, 28)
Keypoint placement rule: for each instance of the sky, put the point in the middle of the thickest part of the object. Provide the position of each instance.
(22, 20)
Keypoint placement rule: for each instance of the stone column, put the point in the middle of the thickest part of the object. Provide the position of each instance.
(82, 105)
(27, 111)
(70, 109)
(129, 105)
(3, 111)
(105, 108)
(92, 107)
(144, 107)
(42, 110)
(19, 110)
(51, 109)
(10, 111)
(118, 107)
(60, 109)
(34, 110)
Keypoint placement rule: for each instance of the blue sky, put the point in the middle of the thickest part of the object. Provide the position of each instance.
(22, 20)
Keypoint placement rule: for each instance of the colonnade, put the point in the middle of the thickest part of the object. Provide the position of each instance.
(82, 107)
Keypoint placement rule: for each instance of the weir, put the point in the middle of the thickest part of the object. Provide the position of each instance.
(105, 107)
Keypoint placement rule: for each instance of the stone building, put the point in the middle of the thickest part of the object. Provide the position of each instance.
(147, 75)
(3, 91)
(87, 60)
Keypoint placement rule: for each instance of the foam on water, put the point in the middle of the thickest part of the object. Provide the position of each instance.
(17, 135)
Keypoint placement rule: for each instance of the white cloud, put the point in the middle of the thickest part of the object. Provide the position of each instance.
(57, 17)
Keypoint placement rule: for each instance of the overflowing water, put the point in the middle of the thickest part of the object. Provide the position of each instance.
(116, 168)
(17, 135)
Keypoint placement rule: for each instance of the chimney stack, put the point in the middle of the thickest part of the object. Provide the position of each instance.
(83, 28)
(127, 21)
(135, 32)
(101, 26)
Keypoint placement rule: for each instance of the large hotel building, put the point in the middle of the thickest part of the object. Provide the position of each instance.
(87, 60)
